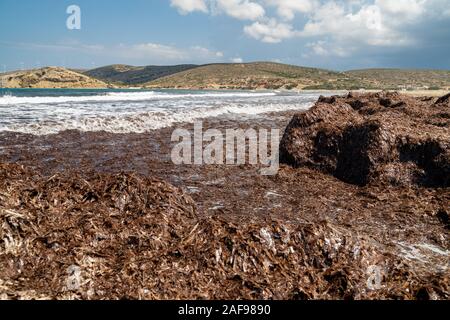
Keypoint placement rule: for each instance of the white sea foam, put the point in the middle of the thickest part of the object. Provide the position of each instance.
(123, 96)
(137, 112)
(142, 122)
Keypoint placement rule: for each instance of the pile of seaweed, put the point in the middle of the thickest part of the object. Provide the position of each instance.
(126, 236)
(386, 138)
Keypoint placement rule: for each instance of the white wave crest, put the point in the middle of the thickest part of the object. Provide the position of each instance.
(8, 100)
(147, 121)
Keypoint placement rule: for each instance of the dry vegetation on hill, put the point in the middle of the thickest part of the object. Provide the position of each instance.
(257, 75)
(402, 79)
(50, 77)
(130, 75)
(265, 75)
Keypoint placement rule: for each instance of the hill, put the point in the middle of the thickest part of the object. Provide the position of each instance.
(257, 75)
(265, 75)
(401, 79)
(49, 77)
(130, 75)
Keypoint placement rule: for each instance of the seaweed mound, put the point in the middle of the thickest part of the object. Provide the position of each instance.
(60, 234)
(444, 100)
(373, 138)
(126, 236)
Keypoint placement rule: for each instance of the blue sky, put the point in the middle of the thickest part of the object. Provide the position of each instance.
(339, 34)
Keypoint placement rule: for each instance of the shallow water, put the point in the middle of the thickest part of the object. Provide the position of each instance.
(51, 111)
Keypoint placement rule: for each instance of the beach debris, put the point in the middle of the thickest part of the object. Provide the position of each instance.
(370, 138)
(444, 100)
(127, 236)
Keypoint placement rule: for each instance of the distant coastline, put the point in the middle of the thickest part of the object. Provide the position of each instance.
(244, 76)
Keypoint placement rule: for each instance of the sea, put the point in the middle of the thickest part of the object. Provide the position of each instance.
(50, 111)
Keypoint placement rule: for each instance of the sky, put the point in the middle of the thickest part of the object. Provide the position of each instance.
(337, 35)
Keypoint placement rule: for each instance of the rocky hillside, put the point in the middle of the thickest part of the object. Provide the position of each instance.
(387, 79)
(50, 77)
(130, 75)
(258, 75)
(401, 79)
(266, 75)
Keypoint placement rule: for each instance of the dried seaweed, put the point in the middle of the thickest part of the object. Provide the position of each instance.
(371, 138)
(126, 236)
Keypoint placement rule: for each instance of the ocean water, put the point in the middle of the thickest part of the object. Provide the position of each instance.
(49, 111)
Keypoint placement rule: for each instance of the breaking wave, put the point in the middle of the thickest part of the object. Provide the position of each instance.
(143, 122)
(123, 96)
(50, 112)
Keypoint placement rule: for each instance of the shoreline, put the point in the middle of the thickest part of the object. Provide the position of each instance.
(112, 153)
(414, 93)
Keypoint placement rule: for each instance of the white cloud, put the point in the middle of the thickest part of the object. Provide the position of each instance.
(342, 28)
(241, 9)
(369, 25)
(237, 60)
(406, 8)
(201, 51)
(270, 31)
(153, 51)
(332, 27)
(318, 48)
(142, 53)
(287, 9)
(169, 54)
(324, 49)
(188, 6)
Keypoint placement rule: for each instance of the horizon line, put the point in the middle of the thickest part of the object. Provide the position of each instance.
(219, 63)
